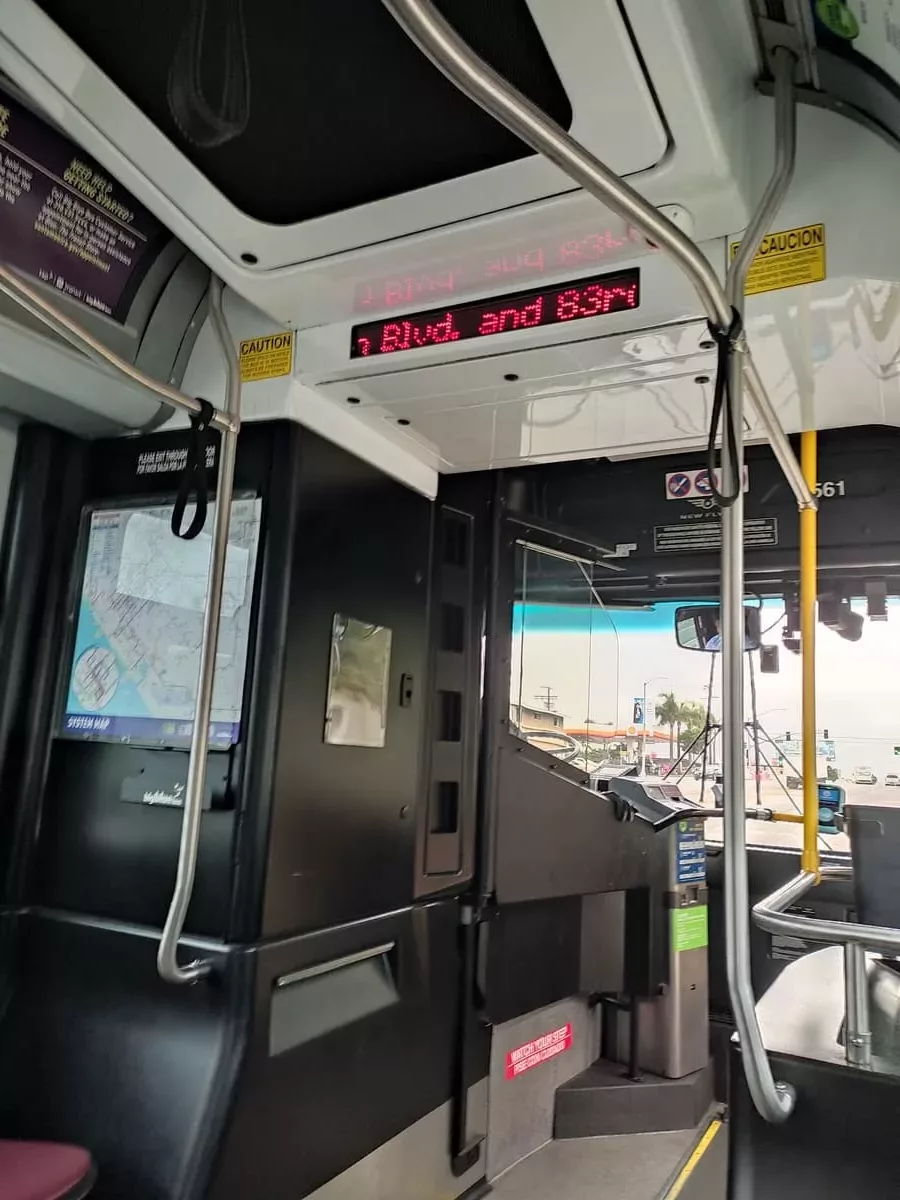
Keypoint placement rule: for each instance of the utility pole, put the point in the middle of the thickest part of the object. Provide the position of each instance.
(549, 699)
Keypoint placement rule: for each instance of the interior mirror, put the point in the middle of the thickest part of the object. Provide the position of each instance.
(697, 627)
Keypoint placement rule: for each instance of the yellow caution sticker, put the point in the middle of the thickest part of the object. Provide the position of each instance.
(267, 357)
(786, 259)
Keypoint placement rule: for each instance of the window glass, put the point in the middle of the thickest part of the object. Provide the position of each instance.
(565, 661)
(604, 685)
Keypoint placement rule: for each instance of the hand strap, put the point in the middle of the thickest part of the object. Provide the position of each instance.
(723, 405)
(193, 478)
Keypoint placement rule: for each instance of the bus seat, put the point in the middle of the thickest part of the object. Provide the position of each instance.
(44, 1171)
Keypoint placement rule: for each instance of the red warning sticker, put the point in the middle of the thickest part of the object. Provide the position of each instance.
(541, 1050)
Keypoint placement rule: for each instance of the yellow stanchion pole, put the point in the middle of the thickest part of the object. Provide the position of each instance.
(808, 596)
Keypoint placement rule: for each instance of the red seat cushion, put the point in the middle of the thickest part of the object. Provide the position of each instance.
(41, 1170)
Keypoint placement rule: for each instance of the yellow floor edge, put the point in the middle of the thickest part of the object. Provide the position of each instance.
(697, 1153)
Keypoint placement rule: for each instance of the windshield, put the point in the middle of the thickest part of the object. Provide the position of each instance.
(602, 687)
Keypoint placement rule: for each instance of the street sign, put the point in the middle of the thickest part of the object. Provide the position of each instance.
(825, 747)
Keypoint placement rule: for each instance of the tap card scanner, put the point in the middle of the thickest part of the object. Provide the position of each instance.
(659, 804)
(831, 805)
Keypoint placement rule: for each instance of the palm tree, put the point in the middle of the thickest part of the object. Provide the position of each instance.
(668, 712)
(692, 719)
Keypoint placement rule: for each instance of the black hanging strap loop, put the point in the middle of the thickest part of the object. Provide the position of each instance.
(215, 32)
(726, 340)
(193, 477)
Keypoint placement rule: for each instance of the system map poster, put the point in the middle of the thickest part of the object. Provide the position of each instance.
(139, 626)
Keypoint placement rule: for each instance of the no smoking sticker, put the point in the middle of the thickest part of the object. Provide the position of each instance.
(694, 484)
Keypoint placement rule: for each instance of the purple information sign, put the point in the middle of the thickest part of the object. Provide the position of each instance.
(64, 221)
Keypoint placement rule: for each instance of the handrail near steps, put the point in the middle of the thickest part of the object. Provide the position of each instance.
(447, 50)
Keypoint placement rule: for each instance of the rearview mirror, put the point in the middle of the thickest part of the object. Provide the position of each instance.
(698, 627)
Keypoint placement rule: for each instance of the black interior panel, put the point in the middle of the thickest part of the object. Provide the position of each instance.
(344, 109)
(343, 829)
(95, 1049)
(320, 833)
(840, 1140)
(303, 1116)
(531, 956)
(97, 853)
(857, 530)
(557, 838)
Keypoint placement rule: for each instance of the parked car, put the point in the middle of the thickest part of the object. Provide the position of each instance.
(892, 780)
(794, 782)
(864, 775)
(711, 774)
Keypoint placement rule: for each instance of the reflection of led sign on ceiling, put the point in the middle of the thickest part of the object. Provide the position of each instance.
(524, 310)
(525, 261)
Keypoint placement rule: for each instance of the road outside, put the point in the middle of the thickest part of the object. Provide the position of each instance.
(776, 833)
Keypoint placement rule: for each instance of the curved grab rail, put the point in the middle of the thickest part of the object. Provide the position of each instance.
(228, 423)
(769, 914)
(451, 55)
(773, 1101)
(167, 955)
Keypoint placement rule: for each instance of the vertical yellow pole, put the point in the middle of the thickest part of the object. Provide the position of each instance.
(808, 596)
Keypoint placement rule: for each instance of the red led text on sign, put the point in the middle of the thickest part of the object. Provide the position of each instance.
(536, 1053)
(525, 310)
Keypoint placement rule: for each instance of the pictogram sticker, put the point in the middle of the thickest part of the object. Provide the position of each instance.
(694, 484)
(678, 485)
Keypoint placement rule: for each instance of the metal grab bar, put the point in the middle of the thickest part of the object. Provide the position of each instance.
(335, 964)
(167, 954)
(774, 1101)
(228, 423)
(857, 1029)
(769, 914)
(451, 55)
(48, 314)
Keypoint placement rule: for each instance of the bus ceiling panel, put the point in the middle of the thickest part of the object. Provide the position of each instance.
(393, 448)
(823, 322)
(823, 313)
(372, 175)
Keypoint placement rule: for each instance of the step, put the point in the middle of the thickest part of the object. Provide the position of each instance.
(602, 1101)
